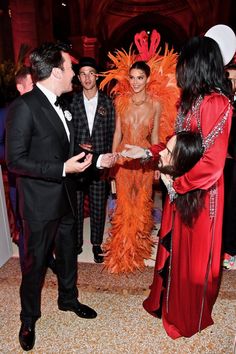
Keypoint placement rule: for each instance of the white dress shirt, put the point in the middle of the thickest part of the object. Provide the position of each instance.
(90, 108)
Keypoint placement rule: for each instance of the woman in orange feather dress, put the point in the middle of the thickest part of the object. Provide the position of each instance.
(141, 118)
(130, 240)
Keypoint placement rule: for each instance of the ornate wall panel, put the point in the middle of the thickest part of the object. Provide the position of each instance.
(110, 24)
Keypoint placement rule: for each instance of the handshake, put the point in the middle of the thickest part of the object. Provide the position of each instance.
(108, 160)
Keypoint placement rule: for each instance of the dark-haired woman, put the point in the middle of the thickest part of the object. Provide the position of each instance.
(189, 255)
(186, 276)
(129, 242)
(182, 152)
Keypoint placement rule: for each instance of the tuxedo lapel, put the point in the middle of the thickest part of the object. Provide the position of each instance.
(83, 115)
(52, 116)
(55, 120)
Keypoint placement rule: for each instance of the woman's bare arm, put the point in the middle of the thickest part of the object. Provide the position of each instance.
(117, 135)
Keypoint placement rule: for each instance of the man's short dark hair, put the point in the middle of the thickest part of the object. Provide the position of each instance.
(45, 58)
(21, 74)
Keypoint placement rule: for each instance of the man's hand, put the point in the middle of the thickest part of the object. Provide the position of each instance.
(74, 166)
(133, 152)
(108, 160)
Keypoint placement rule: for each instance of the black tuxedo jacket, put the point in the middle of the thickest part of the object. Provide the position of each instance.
(36, 149)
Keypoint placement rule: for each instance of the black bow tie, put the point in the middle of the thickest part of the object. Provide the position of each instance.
(62, 103)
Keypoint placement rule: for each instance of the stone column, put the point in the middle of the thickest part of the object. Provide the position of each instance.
(23, 17)
(85, 46)
(90, 46)
(6, 45)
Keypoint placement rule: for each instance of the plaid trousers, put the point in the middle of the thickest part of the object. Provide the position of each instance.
(97, 191)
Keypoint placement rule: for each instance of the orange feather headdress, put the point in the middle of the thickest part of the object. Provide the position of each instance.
(162, 84)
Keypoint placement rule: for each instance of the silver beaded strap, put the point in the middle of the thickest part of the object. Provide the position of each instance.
(171, 191)
(182, 119)
(213, 201)
(216, 131)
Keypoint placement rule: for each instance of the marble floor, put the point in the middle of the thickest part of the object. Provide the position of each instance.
(122, 325)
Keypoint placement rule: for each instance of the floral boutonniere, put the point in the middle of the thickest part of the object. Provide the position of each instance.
(102, 111)
(68, 115)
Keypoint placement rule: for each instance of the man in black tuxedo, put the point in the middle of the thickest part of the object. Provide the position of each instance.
(39, 150)
(94, 122)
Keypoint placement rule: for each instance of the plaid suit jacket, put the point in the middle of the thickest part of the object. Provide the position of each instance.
(103, 126)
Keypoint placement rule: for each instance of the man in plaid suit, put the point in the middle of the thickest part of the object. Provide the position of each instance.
(94, 122)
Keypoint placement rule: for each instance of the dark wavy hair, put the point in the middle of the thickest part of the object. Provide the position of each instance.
(187, 152)
(46, 57)
(200, 71)
(141, 65)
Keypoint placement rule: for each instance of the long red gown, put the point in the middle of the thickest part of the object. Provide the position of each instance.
(186, 275)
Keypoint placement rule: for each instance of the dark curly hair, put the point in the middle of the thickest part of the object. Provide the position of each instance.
(187, 152)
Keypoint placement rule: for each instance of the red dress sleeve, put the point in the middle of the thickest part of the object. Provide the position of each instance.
(210, 167)
(155, 149)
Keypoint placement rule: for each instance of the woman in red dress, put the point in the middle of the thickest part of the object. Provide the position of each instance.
(187, 296)
(187, 270)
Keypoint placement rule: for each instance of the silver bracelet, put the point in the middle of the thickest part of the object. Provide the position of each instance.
(171, 192)
(147, 157)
